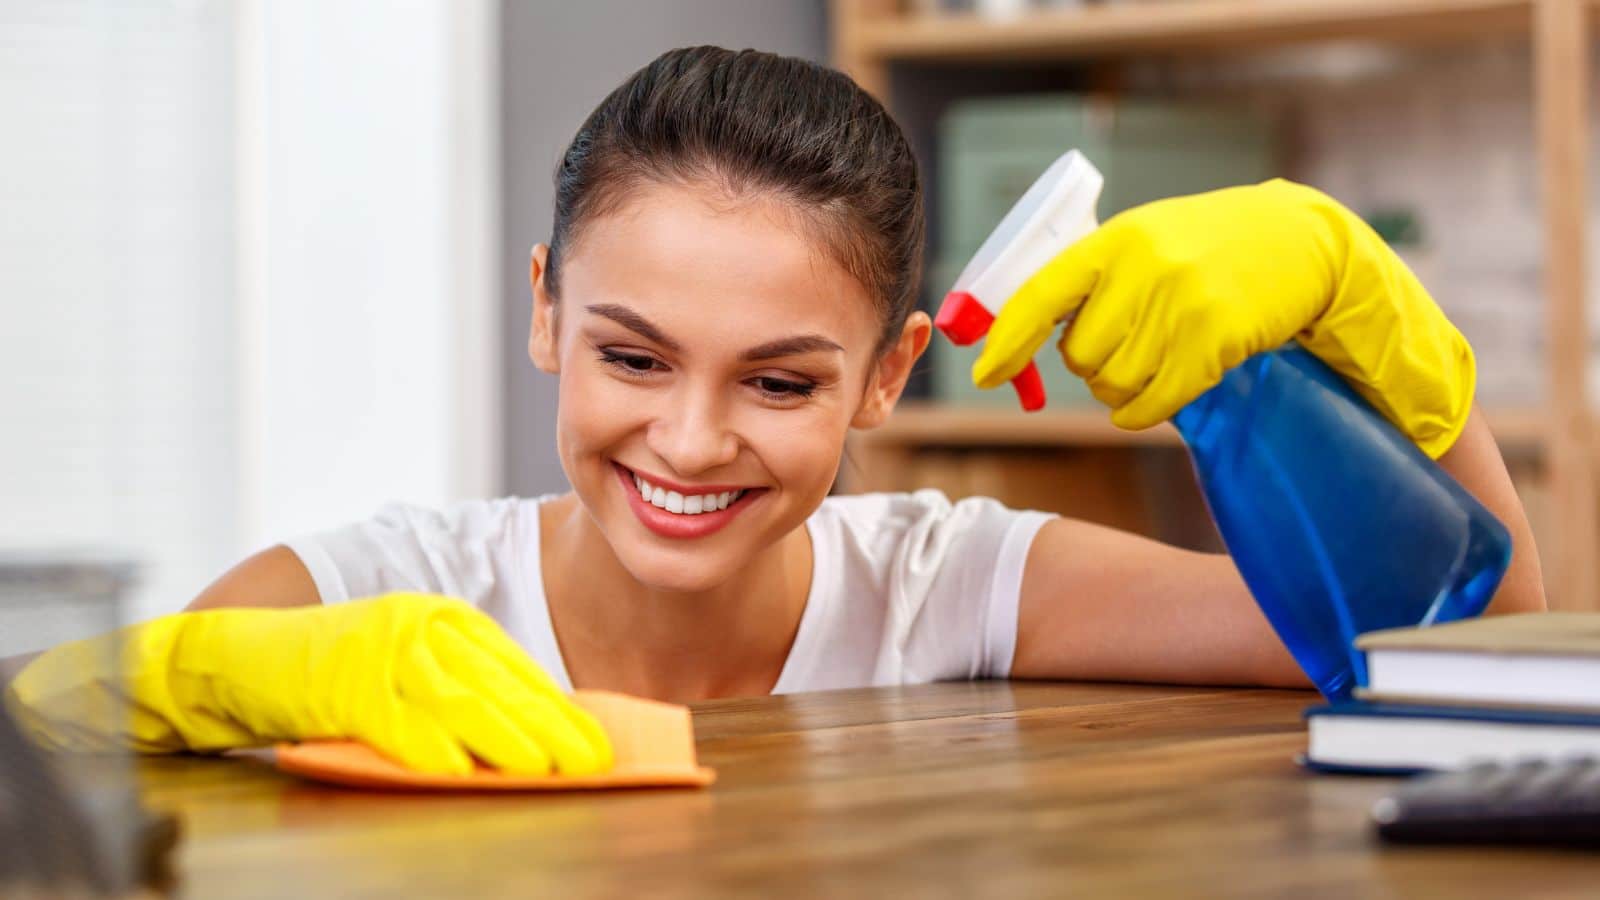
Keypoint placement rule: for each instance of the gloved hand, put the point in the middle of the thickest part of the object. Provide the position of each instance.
(1171, 295)
(423, 679)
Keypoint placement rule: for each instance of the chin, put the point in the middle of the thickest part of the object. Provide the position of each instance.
(676, 571)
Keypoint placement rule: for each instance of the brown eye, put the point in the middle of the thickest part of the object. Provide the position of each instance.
(632, 363)
(779, 388)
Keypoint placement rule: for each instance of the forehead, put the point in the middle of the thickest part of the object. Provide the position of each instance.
(688, 255)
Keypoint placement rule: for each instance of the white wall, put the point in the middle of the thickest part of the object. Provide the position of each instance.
(249, 272)
(116, 383)
(560, 61)
(368, 181)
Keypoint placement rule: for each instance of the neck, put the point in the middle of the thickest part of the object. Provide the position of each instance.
(729, 640)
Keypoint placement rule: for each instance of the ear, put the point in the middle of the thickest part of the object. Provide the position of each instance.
(888, 380)
(542, 333)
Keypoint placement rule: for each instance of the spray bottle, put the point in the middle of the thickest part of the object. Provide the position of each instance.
(1339, 523)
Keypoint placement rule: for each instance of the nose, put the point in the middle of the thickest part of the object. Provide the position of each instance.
(690, 432)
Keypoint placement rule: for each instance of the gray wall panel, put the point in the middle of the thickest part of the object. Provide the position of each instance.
(560, 59)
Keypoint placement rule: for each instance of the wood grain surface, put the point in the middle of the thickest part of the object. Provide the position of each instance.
(983, 789)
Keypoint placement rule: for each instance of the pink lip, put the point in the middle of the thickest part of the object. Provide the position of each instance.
(674, 525)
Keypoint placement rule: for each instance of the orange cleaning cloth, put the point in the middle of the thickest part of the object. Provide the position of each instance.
(654, 745)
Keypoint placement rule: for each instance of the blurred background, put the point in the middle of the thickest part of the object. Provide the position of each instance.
(263, 262)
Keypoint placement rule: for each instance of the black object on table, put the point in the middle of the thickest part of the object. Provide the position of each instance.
(59, 837)
(1538, 801)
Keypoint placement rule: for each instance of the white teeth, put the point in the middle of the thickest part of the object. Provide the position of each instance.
(690, 505)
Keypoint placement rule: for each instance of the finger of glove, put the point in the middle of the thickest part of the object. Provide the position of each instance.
(577, 743)
(485, 632)
(548, 720)
(1123, 304)
(1177, 381)
(1028, 317)
(490, 638)
(470, 695)
(1141, 339)
(411, 736)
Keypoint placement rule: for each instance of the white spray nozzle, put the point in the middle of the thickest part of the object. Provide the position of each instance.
(1056, 212)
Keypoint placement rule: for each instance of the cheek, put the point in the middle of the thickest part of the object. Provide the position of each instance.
(801, 451)
(593, 410)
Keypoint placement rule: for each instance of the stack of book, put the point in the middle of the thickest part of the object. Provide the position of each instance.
(1497, 688)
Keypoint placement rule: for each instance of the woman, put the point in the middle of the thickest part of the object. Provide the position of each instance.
(729, 288)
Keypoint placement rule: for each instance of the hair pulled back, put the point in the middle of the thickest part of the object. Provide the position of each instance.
(752, 123)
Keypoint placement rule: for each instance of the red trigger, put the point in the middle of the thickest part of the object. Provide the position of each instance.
(964, 321)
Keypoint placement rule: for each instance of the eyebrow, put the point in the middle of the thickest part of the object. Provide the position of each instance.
(634, 322)
(789, 346)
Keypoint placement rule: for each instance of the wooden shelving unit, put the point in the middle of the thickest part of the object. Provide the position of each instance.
(872, 36)
(1178, 27)
(917, 424)
(921, 424)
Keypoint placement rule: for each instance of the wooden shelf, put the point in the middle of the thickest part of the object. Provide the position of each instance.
(935, 425)
(870, 37)
(1197, 25)
(931, 424)
(1521, 429)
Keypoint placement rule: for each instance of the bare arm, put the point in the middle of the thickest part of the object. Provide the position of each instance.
(1475, 461)
(1140, 610)
(274, 577)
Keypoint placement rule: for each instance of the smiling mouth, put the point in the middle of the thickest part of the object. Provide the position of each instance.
(682, 504)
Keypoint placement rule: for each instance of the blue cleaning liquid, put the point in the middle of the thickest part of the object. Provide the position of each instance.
(1339, 524)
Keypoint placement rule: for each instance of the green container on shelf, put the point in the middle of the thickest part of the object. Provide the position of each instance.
(991, 149)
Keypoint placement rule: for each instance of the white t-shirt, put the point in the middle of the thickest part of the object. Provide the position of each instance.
(905, 588)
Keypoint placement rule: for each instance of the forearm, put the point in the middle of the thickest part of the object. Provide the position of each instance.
(1143, 611)
(1474, 461)
(1140, 610)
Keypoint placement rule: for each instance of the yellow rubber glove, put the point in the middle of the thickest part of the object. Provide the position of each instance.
(426, 680)
(1171, 295)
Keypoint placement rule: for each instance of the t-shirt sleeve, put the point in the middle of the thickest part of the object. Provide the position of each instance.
(409, 548)
(956, 584)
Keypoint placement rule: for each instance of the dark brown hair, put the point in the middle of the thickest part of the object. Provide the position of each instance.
(749, 123)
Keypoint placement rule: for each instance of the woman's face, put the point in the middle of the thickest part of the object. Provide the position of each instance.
(712, 357)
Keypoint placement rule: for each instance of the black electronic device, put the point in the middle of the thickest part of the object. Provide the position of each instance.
(1536, 801)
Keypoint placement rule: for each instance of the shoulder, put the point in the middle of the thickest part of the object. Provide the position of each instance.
(921, 538)
(920, 516)
(882, 513)
(463, 549)
(942, 576)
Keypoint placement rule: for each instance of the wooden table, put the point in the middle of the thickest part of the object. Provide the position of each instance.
(998, 789)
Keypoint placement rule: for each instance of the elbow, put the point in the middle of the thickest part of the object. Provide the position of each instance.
(1524, 594)
(1520, 602)
(1522, 588)
(1517, 606)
